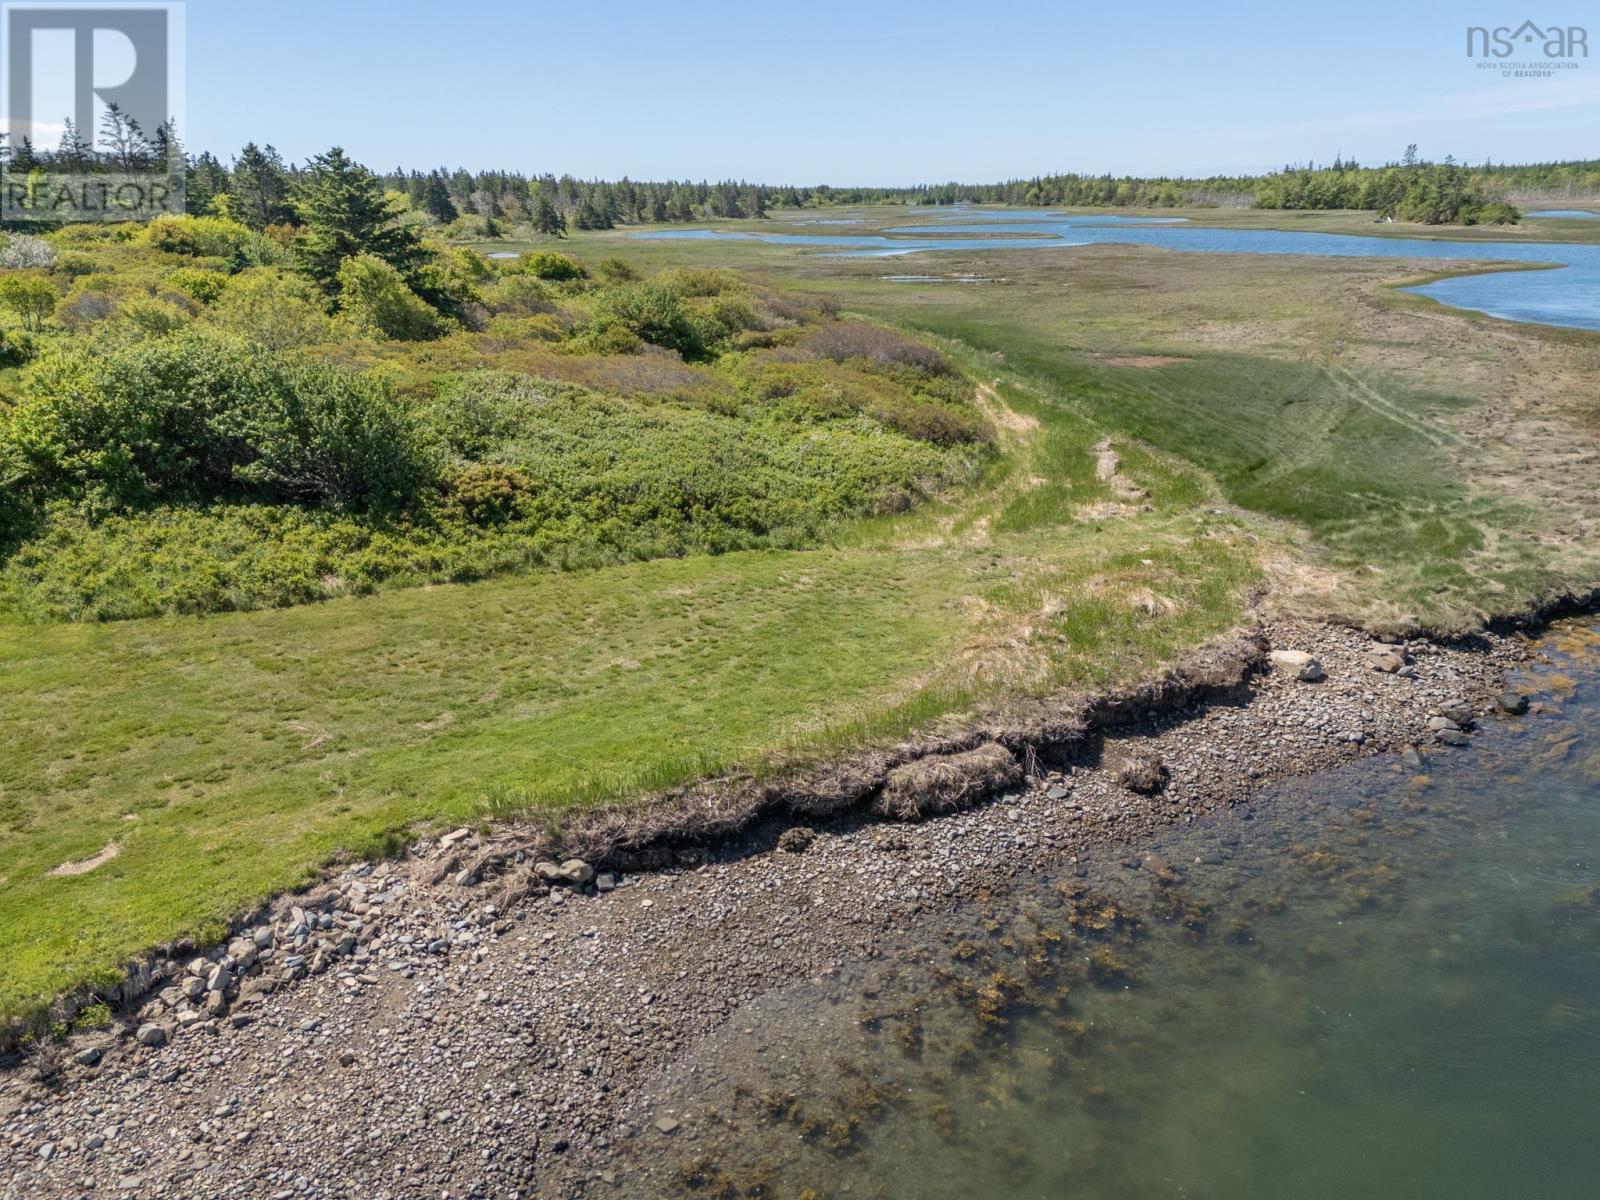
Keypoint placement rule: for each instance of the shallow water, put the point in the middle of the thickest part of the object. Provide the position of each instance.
(1568, 296)
(1380, 982)
(1569, 214)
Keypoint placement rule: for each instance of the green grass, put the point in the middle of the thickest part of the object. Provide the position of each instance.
(231, 756)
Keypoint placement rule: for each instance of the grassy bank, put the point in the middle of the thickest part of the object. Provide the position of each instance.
(228, 757)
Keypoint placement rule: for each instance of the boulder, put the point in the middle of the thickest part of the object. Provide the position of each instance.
(575, 871)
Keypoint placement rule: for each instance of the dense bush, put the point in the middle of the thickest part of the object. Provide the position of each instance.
(652, 312)
(198, 236)
(523, 295)
(376, 301)
(274, 309)
(558, 268)
(617, 270)
(204, 286)
(197, 415)
(16, 348)
(191, 432)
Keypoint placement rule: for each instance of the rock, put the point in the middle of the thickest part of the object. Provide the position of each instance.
(668, 1126)
(796, 840)
(1139, 771)
(1458, 711)
(220, 979)
(1387, 661)
(347, 1059)
(262, 937)
(576, 871)
(1453, 737)
(605, 882)
(1438, 724)
(89, 1056)
(47, 1151)
(1157, 866)
(216, 1003)
(1512, 702)
(1312, 672)
(548, 871)
(1412, 757)
(151, 1035)
(1292, 660)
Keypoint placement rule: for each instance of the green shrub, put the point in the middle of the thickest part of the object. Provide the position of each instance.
(152, 316)
(617, 270)
(374, 298)
(274, 309)
(16, 348)
(197, 236)
(489, 493)
(1495, 213)
(204, 286)
(31, 298)
(523, 295)
(73, 265)
(200, 415)
(653, 312)
(558, 268)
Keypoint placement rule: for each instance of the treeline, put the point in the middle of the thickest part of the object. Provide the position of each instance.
(1446, 193)
(256, 188)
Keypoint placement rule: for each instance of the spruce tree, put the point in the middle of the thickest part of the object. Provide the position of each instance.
(436, 199)
(260, 188)
(344, 213)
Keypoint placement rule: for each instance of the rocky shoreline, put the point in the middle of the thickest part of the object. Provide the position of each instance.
(476, 1021)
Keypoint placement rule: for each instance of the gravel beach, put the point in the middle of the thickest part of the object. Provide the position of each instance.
(407, 1028)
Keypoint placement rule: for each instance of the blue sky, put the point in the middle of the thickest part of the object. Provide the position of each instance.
(875, 91)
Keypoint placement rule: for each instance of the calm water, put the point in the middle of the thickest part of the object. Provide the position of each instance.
(1570, 296)
(1380, 983)
(1569, 214)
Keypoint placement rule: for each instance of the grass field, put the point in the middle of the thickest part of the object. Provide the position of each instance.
(1371, 454)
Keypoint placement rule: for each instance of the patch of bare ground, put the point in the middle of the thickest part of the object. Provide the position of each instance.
(1108, 469)
(85, 865)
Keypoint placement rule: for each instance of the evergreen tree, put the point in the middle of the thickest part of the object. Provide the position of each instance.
(207, 179)
(72, 154)
(125, 141)
(547, 219)
(436, 199)
(344, 213)
(260, 188)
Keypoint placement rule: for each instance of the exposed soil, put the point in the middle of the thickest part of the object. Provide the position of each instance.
(460, 1023)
